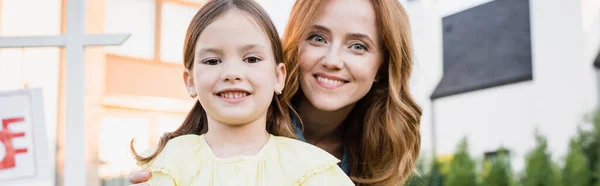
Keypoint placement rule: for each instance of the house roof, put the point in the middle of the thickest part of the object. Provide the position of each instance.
(597, 61)
(486, 46)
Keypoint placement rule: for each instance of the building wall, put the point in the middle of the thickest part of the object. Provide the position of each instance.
(591, 29)
(563, 76)
(564, 88)
(489, 118)
(449, 7)
(426, 28)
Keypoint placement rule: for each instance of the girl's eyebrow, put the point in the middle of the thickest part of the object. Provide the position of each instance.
(210, 50)
(240, 49)
(251, 47)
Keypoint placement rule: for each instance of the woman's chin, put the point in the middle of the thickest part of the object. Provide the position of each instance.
(328, 106)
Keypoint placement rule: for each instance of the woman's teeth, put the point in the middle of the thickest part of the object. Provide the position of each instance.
(329, 81)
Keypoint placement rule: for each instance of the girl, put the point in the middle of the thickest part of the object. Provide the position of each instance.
(349, 64)
(237, 133)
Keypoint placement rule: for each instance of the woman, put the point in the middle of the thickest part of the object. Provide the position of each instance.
(349, 63)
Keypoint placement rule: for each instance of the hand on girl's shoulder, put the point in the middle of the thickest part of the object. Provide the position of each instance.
(310, 164)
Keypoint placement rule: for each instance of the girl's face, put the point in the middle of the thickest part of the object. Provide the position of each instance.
(234, 72)
(340, 57)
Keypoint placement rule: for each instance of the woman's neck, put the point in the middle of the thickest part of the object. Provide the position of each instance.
(323, 128)
(229, 141)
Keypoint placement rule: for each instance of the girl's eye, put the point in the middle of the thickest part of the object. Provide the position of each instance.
(211, 62)
(252, 59)
(317, 39)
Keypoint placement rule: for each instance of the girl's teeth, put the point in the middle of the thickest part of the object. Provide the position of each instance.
(234, 95)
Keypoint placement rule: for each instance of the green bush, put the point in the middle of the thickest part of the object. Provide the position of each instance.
(539, 168)
(575, 172)
(499, 173)
(589, 141)
(462, 168)
(435, 176)
(419, 178)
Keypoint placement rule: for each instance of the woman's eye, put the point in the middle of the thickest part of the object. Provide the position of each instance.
(317, 38)
(252, 59)
(359, 47)
(211, 62)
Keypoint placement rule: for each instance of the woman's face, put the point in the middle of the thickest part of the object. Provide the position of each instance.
(341, 55)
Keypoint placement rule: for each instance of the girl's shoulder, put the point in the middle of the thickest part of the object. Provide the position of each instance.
(174, 157)
(308, 163)
(177, 147)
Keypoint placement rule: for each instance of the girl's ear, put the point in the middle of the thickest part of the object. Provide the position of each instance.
(189, 83)
(280, 74)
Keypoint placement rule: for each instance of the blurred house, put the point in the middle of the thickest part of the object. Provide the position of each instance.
(494, 70)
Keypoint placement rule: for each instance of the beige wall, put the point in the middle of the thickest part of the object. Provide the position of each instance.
(132, 76)
(120, 87)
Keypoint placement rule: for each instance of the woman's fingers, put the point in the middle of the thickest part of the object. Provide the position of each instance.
(138, 177)
(140, 184)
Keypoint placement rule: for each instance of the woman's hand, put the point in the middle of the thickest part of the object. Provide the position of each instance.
(139, 177)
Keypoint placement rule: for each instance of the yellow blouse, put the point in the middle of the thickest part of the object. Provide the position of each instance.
(188, 160)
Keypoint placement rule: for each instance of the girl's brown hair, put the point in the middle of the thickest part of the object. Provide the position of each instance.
(278, 118)
(383, 137)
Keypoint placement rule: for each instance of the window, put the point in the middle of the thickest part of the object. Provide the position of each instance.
(501, 154)
(196, 1)
(120, 18)
(159, 28)
(168, 124)
(175, 20)
(16, 19)
(597, 65)
(114, 153)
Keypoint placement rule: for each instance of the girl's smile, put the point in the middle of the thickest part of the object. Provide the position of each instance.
(233, 95)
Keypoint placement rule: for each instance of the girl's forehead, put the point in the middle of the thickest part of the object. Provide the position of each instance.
(234, 28)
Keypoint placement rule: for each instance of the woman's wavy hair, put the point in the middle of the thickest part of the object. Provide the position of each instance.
(278, 114)
(383, 137)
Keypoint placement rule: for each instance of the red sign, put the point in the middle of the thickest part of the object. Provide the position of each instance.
(6, 138)
(25, 159)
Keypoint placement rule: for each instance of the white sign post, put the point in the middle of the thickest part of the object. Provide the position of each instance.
(74, 41)
(24, 158)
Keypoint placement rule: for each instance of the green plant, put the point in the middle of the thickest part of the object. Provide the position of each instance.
(435, 176)
(462, 168)
(539, 168)
(575, 172)
(589, 140)
(419, 178)
(499, 172)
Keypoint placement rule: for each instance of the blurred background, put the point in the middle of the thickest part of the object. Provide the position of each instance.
(510, 80)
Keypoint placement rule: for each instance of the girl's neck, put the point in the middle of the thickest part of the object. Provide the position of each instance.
(229, 141)
(323, 128)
